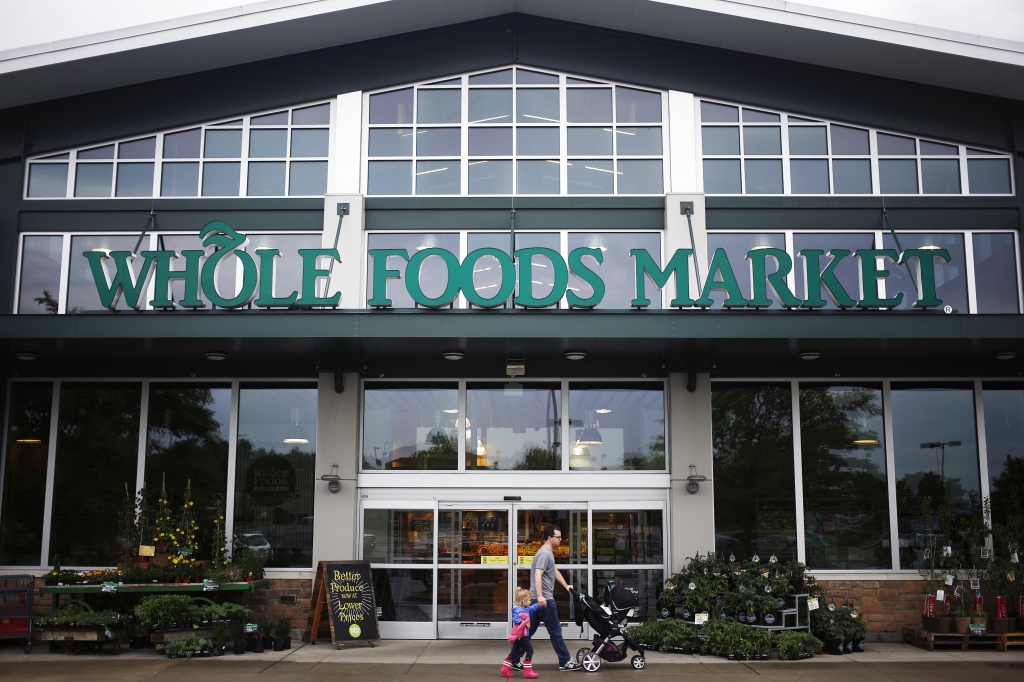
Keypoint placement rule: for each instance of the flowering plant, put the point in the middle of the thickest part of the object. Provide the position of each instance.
(164, 525)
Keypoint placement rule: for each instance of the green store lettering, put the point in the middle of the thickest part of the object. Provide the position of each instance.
(199, 275)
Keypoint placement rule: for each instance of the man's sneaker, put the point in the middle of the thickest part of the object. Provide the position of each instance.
(518, 665)
(570, 665)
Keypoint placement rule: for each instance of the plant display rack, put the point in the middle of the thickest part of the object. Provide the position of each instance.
(933, 641)
(75, 640)
(170, 635)
(791, 614)
(146, 588)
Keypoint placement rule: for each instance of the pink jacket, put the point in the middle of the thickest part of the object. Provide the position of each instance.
(521, 629)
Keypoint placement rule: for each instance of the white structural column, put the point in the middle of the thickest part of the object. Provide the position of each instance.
(346, 276)
(682, 142)
(337, 442)
(677, 236)
(689, 438)
(346, 151)
(798, 475)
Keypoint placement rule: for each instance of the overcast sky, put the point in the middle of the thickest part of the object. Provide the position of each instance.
(30, 22)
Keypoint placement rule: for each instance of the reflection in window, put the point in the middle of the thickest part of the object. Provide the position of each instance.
(187, 444)
(936, 460)
(82, 294)
(995, 273)
(628, 537)
(410, 426)
(1004, 438)
(24, 474)
(487, 274)
(616, 426)
(97, 456)
(40, 274)
(471, 536)
(530, 525)
(565, 605)
(398, 537)
(48, 180)
(846, 503)
(274, 472)
(226, 283)
(403, 594)
(752, 441)
(287, 266)
(433, 273)
(648, 584)
(477, 594)
(617, 271)
(513, 426)
(950, 278)
(736, 246)
(847, 271)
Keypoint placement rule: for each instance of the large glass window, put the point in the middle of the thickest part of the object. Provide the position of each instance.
(1004, 437)
(513, 426)
(846, 499)
(82, 294)
(950, 278)
(24, 475)
(187, 445)
(404, 594)
(39, 289)
(97, 459)
(995, 272)
(628, 537)
(410, 426)
(398, 537)
(433, 275)
(752, 444)
(745, 151)
(618, 269)
(487, 273)
(508, 114)
(274, 475)
(648, 584)
(616, 426)
(936, 458)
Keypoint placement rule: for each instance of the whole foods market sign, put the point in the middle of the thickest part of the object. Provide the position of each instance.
(257, 281)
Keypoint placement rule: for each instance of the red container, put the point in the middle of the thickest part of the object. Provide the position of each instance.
(929, 605)
(979, 606)
(13, 626)
(1001, 607)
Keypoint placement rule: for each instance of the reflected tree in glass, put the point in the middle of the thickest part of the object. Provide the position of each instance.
(1004, 436)
(97, 457)
(410, 427)
(752, 444)
(846, 501)
(512, 426)
(187, 444)
(616, 426)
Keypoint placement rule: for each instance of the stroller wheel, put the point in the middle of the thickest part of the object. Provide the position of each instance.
(638, 662)
(591, 662)
(580, 654)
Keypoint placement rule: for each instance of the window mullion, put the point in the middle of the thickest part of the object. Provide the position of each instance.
(229, 501)
(890, 474)
(51, 470)
(798, 474)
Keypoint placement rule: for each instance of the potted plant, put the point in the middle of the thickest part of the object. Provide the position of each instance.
(961, 615)
(830, 631)
(219, 628)
(284, 632)
(267, 633)
(257, 641)
(238, 635)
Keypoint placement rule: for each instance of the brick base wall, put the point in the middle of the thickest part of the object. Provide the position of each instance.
(887, 605)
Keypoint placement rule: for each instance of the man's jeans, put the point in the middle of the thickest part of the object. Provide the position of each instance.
(549, 614)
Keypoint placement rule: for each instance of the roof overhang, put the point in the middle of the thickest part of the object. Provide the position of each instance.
(278, 28)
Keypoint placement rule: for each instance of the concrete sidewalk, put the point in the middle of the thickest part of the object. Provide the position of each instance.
(479, 660)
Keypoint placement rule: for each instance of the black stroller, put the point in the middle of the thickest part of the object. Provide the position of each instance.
(608, 620)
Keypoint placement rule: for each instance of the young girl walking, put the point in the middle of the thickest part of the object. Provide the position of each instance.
(520, 637)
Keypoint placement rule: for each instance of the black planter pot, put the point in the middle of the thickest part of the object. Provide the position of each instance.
(258, 645)
(772, 618)
(268, 642)
(834, 647)
(219, 649)
(859, 646)
(278, 644)
(240, 647)
(848, 646)
(752, 618)
(138, 642)
(287, 642)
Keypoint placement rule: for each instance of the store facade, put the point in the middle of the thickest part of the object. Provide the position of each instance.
(671, 313)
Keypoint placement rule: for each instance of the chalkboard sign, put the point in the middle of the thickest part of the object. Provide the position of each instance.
(349, 588)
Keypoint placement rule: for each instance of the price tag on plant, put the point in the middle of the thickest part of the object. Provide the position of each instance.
(210, 585)
(147, 550)
(693, 586)
(251, 627)
(832, 606)
(812, 604)
(940, 595)
(975, 584)
(949, 580)
(700, 618)
(984, 552)
(109, 587)
(1014, 558)
(958, 591)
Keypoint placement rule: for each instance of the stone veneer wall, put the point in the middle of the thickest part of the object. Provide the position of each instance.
(887, 605)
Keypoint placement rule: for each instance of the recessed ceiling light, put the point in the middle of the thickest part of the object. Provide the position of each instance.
(1006, 354)
(453, 355)
(866, 441)
(27, 357)
(216, 357)
(810, 355)
(603, 410)
(575, 355)
(454, 410)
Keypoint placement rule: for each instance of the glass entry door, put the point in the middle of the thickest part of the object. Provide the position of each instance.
(473, 592)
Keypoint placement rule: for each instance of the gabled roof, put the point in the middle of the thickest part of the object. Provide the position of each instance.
(276, 28)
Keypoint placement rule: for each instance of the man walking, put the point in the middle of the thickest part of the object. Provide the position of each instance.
(543, 574)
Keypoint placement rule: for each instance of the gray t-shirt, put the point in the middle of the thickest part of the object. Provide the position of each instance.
(544, 559)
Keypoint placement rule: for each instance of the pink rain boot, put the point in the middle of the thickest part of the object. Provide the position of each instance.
(528, 670)
(506, 668)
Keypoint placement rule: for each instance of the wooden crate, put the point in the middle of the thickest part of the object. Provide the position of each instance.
(170, 635)
(75, 641)
(932, 641)
(1013, 641)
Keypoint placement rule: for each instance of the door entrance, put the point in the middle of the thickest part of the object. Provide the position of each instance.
(450, 569)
